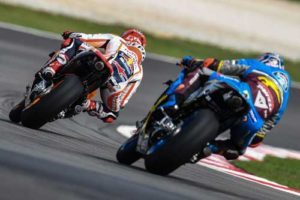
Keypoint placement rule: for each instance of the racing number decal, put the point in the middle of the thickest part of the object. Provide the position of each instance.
(260, 101)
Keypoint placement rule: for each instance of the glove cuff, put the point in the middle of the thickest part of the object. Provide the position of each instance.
(211, 63)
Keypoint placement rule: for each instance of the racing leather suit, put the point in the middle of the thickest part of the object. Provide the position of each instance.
(268, 88)
(126, 60)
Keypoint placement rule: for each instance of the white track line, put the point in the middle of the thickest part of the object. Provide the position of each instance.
(50, 35)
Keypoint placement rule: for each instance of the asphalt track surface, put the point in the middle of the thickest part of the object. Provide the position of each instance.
(75, 158)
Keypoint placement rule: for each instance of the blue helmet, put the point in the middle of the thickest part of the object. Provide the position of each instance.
(272, 60)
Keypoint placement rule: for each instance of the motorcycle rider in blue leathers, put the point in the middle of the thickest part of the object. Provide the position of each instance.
(264, 81)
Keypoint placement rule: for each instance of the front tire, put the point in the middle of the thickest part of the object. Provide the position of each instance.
(127, 153)
(16, 111)
(63, 94)
(199, 129)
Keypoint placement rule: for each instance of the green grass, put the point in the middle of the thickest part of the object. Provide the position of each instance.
(298, 1)
(166, 46)
(282, 171)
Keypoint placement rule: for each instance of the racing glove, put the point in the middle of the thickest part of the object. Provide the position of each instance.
(191, 63)
(187, 62)
(211, 63)
(66, 34)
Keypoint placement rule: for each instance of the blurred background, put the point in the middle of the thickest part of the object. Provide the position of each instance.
(251, 25)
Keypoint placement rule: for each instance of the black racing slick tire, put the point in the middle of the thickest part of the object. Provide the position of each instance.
(127, 153)
(46, 108)
(15, 112)
(199, 129)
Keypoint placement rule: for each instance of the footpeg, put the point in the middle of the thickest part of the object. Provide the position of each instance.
(99, 66)
(231, 154)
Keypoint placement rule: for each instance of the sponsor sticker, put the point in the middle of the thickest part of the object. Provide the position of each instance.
(283, 80)
(252, 115)
(260, 101)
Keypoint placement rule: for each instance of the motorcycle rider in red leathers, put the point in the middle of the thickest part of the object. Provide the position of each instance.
(125, 54)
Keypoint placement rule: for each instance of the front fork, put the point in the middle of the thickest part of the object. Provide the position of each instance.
(27, 95)
(142, 144)
(155, 133)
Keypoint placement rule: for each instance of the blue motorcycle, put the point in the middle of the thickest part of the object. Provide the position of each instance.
(212, 109)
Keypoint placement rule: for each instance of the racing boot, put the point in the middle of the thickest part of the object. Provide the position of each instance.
(224, 148)
(97, 109)
(207, 151)
(54, 64)
(42, 83)
(56, 61)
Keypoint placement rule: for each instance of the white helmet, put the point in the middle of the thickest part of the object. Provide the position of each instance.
(272, 60)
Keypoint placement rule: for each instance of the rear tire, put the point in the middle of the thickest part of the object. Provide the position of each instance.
(199, 129)
(15, 112)
(61, 96)
(127, 153)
